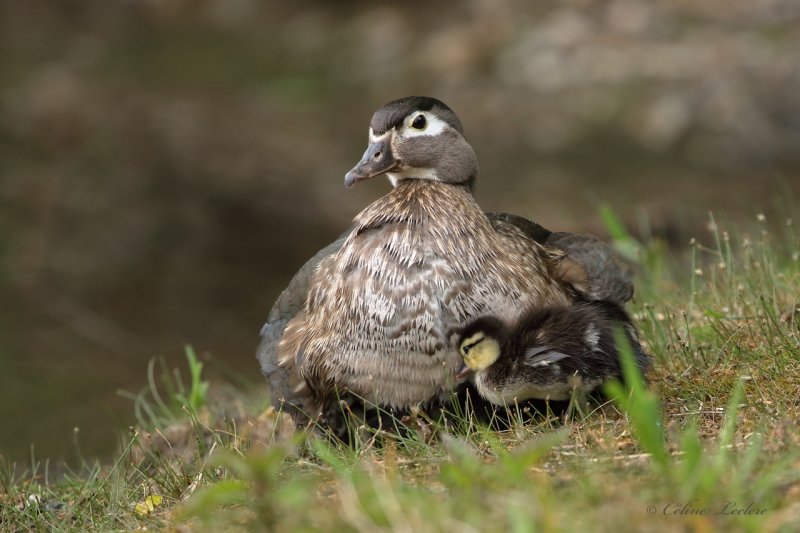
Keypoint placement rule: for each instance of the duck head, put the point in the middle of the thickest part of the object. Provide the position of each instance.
(480, 345)
(416, 138)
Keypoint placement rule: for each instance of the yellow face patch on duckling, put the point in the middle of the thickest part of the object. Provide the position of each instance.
(479, 350)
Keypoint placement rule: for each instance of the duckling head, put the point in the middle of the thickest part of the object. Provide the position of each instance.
(417, 137)
(480, 345)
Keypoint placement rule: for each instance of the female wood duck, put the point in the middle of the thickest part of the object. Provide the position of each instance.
(378, 313)
(550, 353)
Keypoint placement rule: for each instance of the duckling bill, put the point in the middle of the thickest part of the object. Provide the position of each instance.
(550, 353)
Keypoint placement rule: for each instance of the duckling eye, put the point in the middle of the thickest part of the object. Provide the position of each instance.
(419, 122)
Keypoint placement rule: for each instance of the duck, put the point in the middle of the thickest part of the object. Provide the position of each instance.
(549, 353)
(378, 312)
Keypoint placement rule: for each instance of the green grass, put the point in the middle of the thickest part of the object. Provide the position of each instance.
(712, 443)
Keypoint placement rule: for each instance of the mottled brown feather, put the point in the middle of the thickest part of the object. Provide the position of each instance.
(612, 279)
(385, 311)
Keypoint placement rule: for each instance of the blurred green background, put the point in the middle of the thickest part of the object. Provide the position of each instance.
(166, 165)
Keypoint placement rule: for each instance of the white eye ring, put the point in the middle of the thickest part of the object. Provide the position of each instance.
(431, 125)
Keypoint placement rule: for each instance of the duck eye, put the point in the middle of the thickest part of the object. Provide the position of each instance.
(465, 349)
(419, 122)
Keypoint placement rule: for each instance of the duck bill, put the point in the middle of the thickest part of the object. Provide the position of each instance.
(377, 160)
(463, 373)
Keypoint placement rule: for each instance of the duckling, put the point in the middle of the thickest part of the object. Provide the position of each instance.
(378, 312)
(550, 353)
